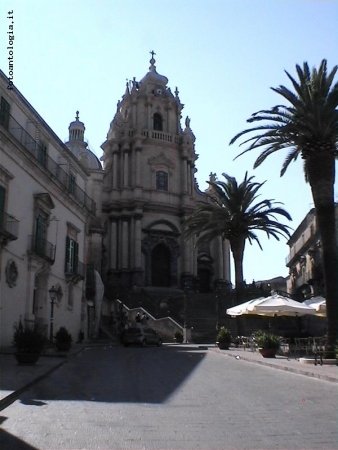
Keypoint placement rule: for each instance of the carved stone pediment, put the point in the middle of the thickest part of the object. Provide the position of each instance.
(45, 200)
(161, 160)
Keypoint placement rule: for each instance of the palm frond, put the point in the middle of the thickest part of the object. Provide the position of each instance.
(310, 119)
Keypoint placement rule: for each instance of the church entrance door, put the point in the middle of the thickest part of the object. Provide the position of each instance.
(160, 266)
(204, 280)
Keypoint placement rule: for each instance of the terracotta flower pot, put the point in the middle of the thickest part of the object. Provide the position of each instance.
(223, 345)
(268, 352)
(63, 346)
(27, 358)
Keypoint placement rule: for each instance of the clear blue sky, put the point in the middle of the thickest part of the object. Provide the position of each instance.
(224, 55)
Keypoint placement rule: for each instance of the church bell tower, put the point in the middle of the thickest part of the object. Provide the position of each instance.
(149, 188)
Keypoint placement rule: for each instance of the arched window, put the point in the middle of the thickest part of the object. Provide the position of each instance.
(158, 122)
(162, 181)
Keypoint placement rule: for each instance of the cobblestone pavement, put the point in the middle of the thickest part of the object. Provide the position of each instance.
(182, 397)
(15, 379)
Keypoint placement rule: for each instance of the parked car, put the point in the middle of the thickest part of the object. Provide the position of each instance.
(142, 336)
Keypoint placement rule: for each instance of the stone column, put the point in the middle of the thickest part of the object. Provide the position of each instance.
(113, 244)
(138, 166)
(188, 177)
(125, 242)
(184, 175)
(115, 169)
(126, 167)
(149, 116)
(137, 243)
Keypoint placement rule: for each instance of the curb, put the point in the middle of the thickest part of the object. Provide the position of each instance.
(286, 369)
(9, 399)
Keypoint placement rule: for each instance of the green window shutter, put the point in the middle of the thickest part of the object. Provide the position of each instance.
(4, 113)
(67, 253)
(40, 234)
(76, 256)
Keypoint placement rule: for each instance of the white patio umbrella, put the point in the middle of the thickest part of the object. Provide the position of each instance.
(244, 308)
(318, 304)
(278, 305)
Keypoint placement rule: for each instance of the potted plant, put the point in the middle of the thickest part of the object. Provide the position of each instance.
(178, 336)
(268, 344)
(223, 339)
(29, 341)
(63, 340)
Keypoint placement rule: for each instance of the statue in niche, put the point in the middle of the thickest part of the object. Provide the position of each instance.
(11, 273)
(187, 122)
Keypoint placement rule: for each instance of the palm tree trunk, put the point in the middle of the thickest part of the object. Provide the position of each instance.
(237, 245)
(321, 175)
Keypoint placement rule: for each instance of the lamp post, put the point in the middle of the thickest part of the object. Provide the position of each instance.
(52, 294)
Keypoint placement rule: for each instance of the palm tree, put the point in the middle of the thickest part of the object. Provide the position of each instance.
(233, 214)
(308, 126)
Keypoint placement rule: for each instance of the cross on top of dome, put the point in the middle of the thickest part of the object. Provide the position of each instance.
(152, 61)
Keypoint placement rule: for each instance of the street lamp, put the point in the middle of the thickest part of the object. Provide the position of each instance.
(53, 295)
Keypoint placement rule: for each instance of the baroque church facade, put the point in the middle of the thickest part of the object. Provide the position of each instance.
(149, 188)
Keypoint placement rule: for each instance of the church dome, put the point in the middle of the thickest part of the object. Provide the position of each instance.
(86, 157)
(78, 146)
(152, 76)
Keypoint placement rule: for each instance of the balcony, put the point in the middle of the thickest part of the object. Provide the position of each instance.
(45, 161)
(304, 242)
(9, 227)
(161, 136)
(76, 271)
(42, 248)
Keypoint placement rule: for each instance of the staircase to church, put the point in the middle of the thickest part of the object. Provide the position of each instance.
(197, 311)
(204, 313)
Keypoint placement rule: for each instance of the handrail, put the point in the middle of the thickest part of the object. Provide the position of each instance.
(77, 269)
(42, 248)
(9, 224)
(36, 150)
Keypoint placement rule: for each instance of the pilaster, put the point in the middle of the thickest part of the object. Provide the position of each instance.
(113, 244)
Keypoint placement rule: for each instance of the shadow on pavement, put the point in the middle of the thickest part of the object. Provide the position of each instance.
(10, 442)
(119, 374)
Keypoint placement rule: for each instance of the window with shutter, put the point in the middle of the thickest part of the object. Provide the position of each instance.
(72, 250)
(40, 234)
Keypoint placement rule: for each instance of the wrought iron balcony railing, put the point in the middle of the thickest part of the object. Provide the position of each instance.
(44, 160)
(42, 248)
(9, 227)
(76, 269)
